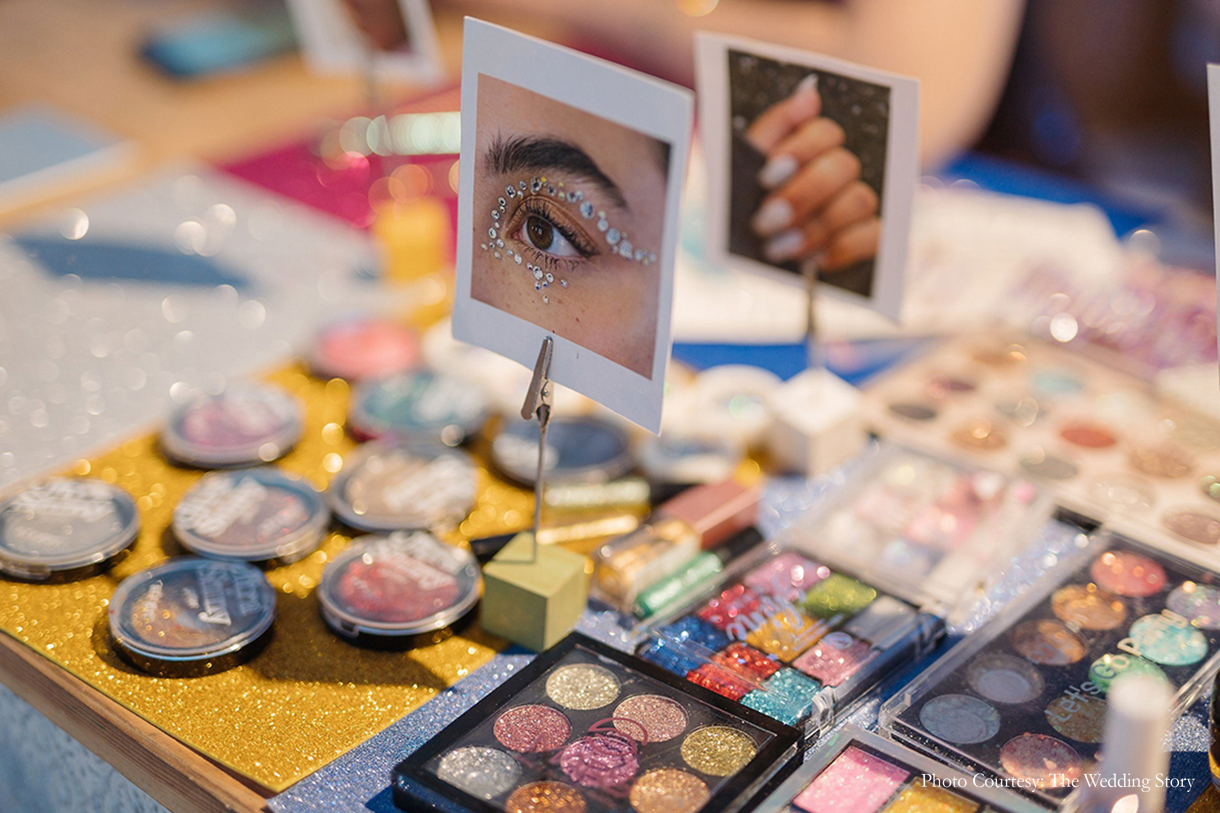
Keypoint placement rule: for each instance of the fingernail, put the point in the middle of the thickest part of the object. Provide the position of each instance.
(785, 246)
(776, 171)
(775, 214)
(808, 84)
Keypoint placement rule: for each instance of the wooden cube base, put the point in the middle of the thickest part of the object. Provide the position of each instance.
(533, 601)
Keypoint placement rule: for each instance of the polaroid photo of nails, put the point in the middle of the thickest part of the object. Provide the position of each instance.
(398, 38)
(571, 171)
(810, 159)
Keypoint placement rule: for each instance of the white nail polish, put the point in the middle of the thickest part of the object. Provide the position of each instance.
(808, 84)
(777, 171)
(784, 246)
(772, 217)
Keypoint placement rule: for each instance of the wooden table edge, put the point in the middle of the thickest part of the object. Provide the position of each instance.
(177, 776)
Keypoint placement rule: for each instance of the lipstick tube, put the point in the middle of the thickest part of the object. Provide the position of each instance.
(698, 519)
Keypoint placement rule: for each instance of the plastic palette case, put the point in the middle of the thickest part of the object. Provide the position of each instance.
(805, 627)
(587, 727)
(1101, 441)
(854, 771)
(1023, 700)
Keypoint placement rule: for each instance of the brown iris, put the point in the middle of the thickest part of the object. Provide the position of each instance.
(541, 233)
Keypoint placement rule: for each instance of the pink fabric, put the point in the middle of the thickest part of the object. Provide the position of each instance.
(293, 170)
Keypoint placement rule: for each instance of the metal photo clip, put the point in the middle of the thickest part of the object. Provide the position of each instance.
(538, 400)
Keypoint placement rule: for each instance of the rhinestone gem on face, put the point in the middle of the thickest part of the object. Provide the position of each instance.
(586, 210)
(537, 272)
(492, 232)
(612, 235)
(602, 225)
(510, 192)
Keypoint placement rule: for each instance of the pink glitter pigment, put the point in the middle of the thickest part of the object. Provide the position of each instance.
(856, 782)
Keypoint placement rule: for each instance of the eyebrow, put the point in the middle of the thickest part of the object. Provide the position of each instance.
(540, 154)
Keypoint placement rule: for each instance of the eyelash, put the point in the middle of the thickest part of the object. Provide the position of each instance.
(555, 217)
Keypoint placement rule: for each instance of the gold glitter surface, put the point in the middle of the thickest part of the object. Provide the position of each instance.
(306, 699)
(718, 750)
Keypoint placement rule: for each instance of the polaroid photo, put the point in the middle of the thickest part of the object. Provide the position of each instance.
(571, 173)
(342, 36)
(809, 158)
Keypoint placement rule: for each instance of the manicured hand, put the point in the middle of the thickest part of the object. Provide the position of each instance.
(817, 206)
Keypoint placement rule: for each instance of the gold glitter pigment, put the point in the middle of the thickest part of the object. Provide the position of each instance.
(668, 790)
(582, 686)
(306, 699)
(718, 750)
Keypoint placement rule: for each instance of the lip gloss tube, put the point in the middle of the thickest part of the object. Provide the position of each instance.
(698, 519)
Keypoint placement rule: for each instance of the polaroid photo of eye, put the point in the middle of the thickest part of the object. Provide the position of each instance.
(342, 36)
(571, 171)
(809, 158)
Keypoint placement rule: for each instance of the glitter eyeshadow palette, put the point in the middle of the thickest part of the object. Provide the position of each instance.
(1024, 699)
(1099, 440)
(588, 728)
(809, 624)
(853, 771)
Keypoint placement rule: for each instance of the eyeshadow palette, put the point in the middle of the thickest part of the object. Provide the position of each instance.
(1100, 440)
(1024, 699)
(585, 727)
(854, 771)
(798, 630)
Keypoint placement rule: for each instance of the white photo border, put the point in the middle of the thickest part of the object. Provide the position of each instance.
(901, 159)
(331, 43)
(636, 101)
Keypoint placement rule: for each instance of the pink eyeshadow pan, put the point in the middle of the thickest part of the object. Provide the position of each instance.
(856, 782)
(834, 659)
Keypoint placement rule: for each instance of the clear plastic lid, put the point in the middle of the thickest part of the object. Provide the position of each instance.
(243, 425)
(418, 404)
(577, 450)
(1023, 700)
(398, 585)
(672, 458)
(191, 609)
(935, 531)
(410, 486)
(805, 626)
(64, 524)
(251, 515)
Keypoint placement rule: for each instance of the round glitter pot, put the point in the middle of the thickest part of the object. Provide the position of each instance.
(361, 347)
(405, 486)
(679, 461)
(191, 616)
(65, 529)
(421, 404)
(398, 591)
(246, 424)
(578, 450)
(251, 515)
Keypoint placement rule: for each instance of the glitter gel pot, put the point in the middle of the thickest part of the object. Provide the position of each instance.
(389, 590)
(251, 515)
(191, 616)
(246, 424)
(65, 529)
(421, 405)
